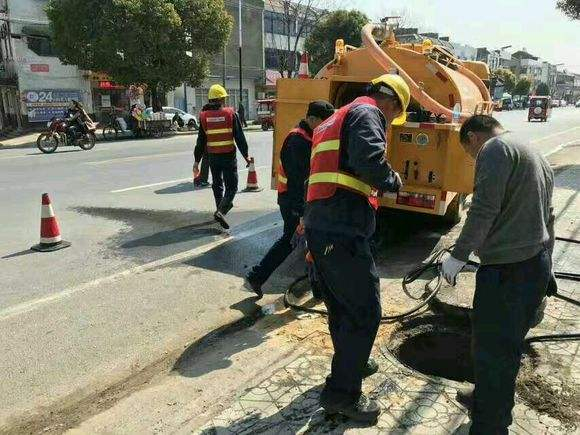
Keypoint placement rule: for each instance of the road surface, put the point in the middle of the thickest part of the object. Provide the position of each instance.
(147, 270)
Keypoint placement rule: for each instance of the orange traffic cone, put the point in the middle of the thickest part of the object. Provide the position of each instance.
(252, 183)
(50, 239)
(303, 70)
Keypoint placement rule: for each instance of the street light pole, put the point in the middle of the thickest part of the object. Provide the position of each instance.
(240, 47)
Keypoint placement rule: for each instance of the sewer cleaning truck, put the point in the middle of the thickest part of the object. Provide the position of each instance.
(436, 172)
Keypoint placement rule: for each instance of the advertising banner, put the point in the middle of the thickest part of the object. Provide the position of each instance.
(43, 105)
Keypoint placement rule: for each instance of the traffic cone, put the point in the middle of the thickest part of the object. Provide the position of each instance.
(252, 182)
(50, 239)
(303, 70)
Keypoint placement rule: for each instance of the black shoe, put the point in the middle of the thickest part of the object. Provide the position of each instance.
(465, 398)
(363, 410)
(220, 219)
(370, 368)
(201, 184)
(254, 286)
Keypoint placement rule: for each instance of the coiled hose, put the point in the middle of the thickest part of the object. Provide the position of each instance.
(433, 265)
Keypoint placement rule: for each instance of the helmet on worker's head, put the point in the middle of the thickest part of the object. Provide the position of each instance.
(216, 92)
(394, 85)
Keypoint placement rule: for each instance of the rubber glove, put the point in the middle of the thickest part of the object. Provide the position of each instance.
(450, 267)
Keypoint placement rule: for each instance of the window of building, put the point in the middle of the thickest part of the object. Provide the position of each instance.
(41, 46)
(271, 58)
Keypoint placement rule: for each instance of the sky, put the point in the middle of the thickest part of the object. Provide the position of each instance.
(532, 24)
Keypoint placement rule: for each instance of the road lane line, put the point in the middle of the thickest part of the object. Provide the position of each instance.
(561, 147)
(136, 158)
(192, 253)
(554, 135)
(161, 183)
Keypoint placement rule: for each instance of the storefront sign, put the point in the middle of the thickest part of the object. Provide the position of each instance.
(109, 85)
(43, 105)
(39, 67)
(105, 101)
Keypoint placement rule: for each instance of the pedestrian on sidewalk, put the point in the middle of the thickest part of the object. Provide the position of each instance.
(220, 131)
(348, 167)
(293, 170)
(510, 227)
(242, 114)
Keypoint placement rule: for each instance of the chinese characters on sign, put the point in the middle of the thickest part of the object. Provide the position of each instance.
(43, 105)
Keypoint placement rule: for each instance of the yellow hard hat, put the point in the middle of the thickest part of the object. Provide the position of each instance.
(400, 87)
(216, 92)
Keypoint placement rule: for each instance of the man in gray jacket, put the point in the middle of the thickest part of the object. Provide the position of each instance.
(510, 227)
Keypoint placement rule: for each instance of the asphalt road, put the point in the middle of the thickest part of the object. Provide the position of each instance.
(139, 278)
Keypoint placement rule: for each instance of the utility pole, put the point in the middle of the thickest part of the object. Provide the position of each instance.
(240, 47)
(224, 68)
(185, 96)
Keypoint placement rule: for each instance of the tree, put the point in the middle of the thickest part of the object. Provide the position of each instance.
(339, 24)
(542, 89)
(507, 77)
(159, 43)
(522, 86)
(294, 17)
(570, 7)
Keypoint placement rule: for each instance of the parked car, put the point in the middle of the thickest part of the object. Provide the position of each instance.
(555, 103)
(181, 117)
(540, 108)
(578, 103)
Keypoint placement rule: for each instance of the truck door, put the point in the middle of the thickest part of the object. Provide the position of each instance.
(292, 99)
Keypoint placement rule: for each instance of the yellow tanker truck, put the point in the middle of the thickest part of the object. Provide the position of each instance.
(436, 172)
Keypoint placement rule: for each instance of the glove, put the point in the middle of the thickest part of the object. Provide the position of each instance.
(248, 161)
(450, 267)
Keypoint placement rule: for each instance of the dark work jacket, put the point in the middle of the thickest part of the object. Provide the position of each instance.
(239, 137)
(295, 157)
(362, 153)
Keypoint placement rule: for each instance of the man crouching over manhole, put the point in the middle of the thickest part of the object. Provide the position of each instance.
(510, 227)
(347, 167)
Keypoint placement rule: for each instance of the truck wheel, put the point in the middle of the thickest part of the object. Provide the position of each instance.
(456, 210)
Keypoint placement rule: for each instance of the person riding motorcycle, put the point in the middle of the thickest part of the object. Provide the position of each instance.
(77, 118)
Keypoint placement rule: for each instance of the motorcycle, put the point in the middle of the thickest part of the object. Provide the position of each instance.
(60, 133)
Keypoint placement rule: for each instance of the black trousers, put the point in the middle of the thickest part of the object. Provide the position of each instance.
(224, 172)
(504, 306)
(204, 169)
(351, 292)
(280, 250)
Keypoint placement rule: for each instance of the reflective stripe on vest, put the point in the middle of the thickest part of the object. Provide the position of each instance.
(325, 173)
(282, 179)
(219, 130)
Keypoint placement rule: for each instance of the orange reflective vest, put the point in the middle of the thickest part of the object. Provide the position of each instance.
(325, 173)
(282, 179)
(219, 130)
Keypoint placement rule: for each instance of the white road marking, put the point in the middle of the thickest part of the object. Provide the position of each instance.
(554, 135)
(561, 147)
(200, 250)
(136, 158)
(161, 183)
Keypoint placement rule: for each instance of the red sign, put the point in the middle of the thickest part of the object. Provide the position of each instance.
(39, 67)
(109, 85)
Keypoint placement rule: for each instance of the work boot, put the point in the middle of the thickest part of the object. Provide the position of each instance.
(253, 285)
(465, 398)
(220, 219)
(371, 367)
(363, 410)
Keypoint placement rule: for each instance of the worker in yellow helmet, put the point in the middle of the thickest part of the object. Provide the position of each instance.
(348, 170)
(220, 131)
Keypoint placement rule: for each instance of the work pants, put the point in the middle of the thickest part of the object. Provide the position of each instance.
(224, 171)
(351, 292)
(504, 307)
(280, 250)
(204, 169)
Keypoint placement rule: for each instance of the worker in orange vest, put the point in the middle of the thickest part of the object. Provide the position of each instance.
(348, 169)
(293, 170)
(220, 131)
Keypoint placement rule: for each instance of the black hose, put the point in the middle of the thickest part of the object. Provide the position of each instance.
(553, 337)
(566, 239)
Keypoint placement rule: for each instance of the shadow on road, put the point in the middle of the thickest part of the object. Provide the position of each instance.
(19, 254)
(56, 152)
(177, 235)
(186, 186)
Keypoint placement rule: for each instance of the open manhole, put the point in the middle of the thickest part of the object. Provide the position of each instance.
(434, 346)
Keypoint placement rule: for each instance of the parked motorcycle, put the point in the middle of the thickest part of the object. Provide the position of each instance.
(60, 133)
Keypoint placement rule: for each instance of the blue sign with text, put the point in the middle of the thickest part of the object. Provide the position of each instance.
(43, 105)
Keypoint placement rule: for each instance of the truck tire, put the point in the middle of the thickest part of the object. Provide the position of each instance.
(456, 210)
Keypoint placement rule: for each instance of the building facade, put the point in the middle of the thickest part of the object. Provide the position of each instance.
(32, 70)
